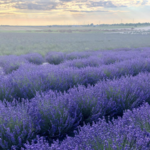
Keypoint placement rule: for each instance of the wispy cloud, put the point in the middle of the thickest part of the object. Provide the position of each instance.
(1, 13)
(144, 2)
(53, 4)
(104, 4)
(36, 5)
(86, 11)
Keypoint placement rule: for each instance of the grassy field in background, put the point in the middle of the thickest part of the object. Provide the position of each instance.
(24, 40)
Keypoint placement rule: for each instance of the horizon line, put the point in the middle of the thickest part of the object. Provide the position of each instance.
(91, 24)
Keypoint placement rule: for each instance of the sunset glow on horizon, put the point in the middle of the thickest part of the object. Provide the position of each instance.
(62, 12)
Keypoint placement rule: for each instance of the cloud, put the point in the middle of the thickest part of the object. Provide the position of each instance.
(101, 4)
(30, 4)
(65, 0)
(144, 2)
(87, 5)
(6, 13)
(8, 1)
(36, 5)
(86, 11)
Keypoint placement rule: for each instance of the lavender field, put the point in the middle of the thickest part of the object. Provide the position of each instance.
(90, 100)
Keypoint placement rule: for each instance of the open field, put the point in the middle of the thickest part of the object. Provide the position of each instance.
(22, 43)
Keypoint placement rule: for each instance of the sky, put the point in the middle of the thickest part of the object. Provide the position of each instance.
(69, 12)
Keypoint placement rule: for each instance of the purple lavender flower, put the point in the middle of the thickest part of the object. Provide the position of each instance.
(34, 58)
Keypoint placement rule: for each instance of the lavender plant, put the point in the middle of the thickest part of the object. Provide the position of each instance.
(53, 116)
(78, 55)
(140, 117)
(11, 63)
(15, 126)
(34, 58)
(55, 57)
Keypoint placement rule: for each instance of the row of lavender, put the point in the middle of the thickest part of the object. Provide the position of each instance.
(79, 60)
(28, 79)
(53, 115)
(132, 132)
